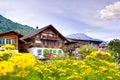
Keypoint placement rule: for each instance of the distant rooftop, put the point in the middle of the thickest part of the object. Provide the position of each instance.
(104, 43)
(81, 36)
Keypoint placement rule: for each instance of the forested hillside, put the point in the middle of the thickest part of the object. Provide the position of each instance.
(7, 24)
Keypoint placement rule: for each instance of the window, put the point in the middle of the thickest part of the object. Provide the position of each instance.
(2, 41)
(8, 41)
(39, 52)
(59, 51)
(55, 51)
(60, 44)
(36, 41)
(45, 43)
(52, 43)
(5, 41)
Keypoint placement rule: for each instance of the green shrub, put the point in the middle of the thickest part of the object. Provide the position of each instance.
(114, 46)
(86, 50)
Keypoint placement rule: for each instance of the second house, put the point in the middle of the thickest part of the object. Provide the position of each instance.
(45, 38)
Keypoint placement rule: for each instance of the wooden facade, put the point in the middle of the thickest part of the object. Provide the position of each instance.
(73, 44)
(76, 44)
(10, 37)
(47, 37)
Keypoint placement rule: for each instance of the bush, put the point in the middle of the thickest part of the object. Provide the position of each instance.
(114, 46)
(8, 47)
(47, 53)
(86, 50)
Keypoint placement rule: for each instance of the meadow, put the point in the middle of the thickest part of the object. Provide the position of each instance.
(97, 65)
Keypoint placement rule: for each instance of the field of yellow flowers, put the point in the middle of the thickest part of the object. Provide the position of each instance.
(18, 66)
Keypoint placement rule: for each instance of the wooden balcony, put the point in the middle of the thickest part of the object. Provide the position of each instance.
(48, 37)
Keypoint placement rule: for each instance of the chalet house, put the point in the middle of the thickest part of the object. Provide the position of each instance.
(10, 37)
(46, 37)
(77, 40)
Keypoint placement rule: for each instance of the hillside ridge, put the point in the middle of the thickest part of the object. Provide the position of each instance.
(7, 24)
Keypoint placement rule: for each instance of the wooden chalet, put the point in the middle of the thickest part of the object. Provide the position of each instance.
(77, 40)
(10, 37)
(46, 37)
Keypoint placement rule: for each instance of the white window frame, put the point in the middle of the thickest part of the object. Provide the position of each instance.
(6, 40)
(3, 41)
(52, 43)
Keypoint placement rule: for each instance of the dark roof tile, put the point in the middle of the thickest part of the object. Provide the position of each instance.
(40, 30)
(20, 35)
(81, 36)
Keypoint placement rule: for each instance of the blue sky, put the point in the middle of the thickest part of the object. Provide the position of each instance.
(96, 18)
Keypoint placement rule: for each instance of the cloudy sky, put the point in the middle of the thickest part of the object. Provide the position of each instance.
(96, 18)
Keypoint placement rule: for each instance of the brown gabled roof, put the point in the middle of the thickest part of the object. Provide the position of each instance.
(19, 35)
(42, 29)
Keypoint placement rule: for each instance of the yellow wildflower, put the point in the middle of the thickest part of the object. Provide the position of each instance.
(6, 67)
(23, 60)
(109, 77)
(22, 73)
(8, 47)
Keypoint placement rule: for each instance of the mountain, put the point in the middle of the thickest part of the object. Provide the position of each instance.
(7, 24)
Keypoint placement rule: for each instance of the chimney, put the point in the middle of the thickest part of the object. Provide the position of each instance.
(36, 27)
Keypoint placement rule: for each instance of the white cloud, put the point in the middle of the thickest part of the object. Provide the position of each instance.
(110, 12)
(31, 11)
(60, 13)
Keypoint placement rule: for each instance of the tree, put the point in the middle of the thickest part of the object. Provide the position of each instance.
(114, 46)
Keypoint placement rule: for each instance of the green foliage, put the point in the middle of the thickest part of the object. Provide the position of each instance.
(6, 51)
(50, 51)
(114, 46)
(54, 51)
(6, 25)
(46, 51)
(86, 50)
(8, 47)
(23, 66)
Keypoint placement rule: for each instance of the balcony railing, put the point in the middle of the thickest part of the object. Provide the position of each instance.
(49, 37)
